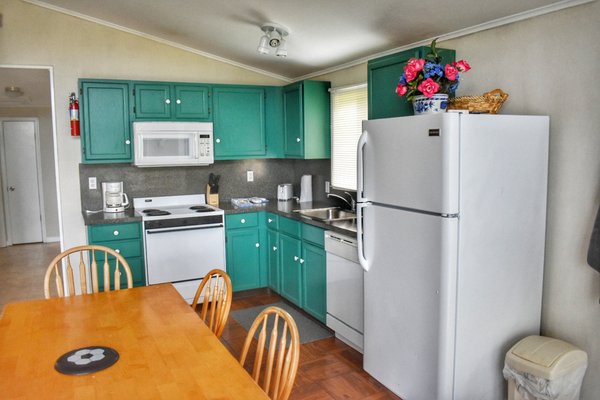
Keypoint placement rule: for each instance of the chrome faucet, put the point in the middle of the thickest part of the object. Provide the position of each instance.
(351, 203)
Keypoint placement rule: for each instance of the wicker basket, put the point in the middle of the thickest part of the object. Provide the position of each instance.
(489, 102)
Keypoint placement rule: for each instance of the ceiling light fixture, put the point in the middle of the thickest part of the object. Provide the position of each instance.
(13, 91)
(273, 38)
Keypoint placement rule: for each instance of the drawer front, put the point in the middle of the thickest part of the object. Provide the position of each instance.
(313, 234)
(246, 220)
(272, 221)
(127, 248)
(103, 233)
(290, 227)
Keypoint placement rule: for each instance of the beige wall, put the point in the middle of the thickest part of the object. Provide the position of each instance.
(75, 48)
(549, 65)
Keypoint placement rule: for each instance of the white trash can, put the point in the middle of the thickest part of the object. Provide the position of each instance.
(543, 368)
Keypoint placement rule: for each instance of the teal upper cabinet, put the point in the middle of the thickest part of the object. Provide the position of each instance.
(239, 122)
(383, 76)
(306, 120)
(167, 101)
(106, 135)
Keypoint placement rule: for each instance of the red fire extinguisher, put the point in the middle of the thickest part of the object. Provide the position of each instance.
(74, 114)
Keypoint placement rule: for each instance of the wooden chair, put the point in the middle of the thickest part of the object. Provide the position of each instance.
(216, 292)
(93, 252)
(282, 355)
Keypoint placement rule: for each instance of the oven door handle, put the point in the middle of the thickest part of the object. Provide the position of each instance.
(194, 228)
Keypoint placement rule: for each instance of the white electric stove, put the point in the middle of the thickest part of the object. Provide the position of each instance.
(184, 238)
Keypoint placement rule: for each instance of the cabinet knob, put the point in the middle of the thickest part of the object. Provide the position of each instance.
(218, 140)
(128, 141)
(178, 101)
(298, 139)
(168, 101)
(301, 261)
(257, 244)
(243, 221)
(274, 248)
(296, 258)
(270, 220)
(116, 233)
(118, 251)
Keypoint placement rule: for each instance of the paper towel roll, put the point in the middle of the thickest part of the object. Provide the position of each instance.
(306, 188)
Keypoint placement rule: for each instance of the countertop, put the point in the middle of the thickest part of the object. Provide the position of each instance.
(283, 208)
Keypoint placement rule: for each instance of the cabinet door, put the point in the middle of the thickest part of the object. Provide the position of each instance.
(105, 120)
(293, 122)
(291, 268)
(126, 239)
(152, 101)
(383, 76)
(243, 258)
(239, 122)
(314, 282)
(273, 259)
(192, 102)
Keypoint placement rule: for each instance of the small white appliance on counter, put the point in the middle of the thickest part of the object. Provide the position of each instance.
(184, 238)
(114, 200)
(306, 188)
(451, 233)
(172, 143)
(285, 192)
(345, 300)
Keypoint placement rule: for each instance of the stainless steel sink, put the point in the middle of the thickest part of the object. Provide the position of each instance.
(327, 214)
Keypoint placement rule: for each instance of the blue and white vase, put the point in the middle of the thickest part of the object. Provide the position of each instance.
(430, 105)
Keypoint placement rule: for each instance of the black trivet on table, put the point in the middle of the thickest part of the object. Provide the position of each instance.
(86, 360)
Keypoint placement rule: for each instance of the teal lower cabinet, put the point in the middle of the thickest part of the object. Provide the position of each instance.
(291, 268)
(302, 266)
(244, 264)
(273, 259)
(314, 270)
(127, 240)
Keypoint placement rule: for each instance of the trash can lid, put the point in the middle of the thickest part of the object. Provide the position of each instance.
(545, 357)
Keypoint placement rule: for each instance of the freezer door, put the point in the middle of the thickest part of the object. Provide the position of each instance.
(410, 297)
(411, 162)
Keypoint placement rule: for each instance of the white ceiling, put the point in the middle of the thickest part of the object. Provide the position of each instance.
(325, 34)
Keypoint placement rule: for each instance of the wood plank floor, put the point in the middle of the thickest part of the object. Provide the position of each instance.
(329, 369)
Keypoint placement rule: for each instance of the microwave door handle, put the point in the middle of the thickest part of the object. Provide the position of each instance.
(196, 143)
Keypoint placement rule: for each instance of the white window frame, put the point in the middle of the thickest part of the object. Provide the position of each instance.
(344, 129)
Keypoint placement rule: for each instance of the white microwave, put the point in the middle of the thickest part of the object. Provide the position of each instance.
(168, 143)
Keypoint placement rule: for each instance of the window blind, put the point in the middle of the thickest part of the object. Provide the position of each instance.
(348, 110)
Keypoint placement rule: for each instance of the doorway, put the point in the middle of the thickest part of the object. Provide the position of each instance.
(21, 176)
(27, 113)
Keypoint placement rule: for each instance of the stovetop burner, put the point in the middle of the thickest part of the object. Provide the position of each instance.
(201, 209)
(153, 212)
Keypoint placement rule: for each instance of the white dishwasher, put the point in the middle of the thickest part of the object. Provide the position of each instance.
(345, 300)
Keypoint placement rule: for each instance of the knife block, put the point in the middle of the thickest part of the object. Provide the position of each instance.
(212, 198)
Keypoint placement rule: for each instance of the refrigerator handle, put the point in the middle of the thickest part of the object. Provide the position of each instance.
(359, 236)
(362, 141)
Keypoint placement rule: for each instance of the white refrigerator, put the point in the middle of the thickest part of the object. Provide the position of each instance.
(451, 231)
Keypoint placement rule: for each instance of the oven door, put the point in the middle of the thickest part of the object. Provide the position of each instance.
(183, 253)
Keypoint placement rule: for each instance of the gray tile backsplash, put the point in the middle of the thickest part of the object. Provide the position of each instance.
(168, 181)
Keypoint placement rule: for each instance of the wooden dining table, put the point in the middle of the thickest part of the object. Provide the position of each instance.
(165, 350)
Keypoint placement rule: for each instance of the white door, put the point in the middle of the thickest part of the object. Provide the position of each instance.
(410, 297)
(21, 182)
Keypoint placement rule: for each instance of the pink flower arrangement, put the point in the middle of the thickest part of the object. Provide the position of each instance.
(427, 76)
